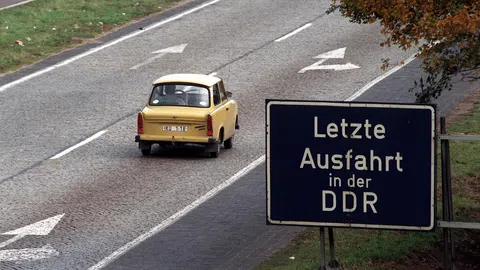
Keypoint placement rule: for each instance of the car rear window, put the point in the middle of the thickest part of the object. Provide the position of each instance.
(184, 95)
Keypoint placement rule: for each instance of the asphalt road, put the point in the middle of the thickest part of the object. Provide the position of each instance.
(108, 192)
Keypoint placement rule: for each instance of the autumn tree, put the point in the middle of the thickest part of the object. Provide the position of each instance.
(446, 32)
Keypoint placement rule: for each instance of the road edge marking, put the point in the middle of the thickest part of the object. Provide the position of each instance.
(70, 149)
(172, 219)
(111, 43)
(17, 4)
(379, 78)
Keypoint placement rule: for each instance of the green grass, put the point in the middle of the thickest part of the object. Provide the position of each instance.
(371, 249)
(465, 164)
(353, 248)
(465, 157)
(47, 27)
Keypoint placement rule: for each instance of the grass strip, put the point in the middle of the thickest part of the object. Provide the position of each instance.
(36, 30)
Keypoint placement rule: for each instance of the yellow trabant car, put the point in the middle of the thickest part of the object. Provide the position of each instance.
(188, 109)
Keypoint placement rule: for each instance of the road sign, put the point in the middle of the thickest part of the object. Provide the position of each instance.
(43, 227)
(351, 164)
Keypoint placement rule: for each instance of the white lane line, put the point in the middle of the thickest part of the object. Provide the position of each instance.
(294, 32)
(383, 76)
(98, 134)
(28, 254)
(70, 60)
(172, 219)
(17, 4)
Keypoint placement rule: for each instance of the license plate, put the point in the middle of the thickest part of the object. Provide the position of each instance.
(175, 128)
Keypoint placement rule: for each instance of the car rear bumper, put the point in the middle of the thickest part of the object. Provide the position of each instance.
(173, 139)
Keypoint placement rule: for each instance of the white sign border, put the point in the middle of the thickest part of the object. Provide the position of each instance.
(271, 102)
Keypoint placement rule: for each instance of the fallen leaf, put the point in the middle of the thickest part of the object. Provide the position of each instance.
(19, 42)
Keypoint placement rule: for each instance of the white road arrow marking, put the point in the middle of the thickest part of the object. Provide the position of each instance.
(160, 53)
(43, 227)
(338, 54)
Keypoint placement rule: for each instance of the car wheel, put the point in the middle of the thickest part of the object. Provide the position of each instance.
(146, 152)
(228, 143)
(216, 153)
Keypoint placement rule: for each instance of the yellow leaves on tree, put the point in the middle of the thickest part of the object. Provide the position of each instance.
(448, 32)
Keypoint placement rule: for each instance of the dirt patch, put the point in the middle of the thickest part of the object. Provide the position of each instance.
(467, 253)
(468, 187)
(416, 261)
(464, 108)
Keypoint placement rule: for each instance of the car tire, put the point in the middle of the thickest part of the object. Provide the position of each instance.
(228, 143)
(216, 153)
(146, 152)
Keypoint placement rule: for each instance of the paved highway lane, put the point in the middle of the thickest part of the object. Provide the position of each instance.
(108, 192)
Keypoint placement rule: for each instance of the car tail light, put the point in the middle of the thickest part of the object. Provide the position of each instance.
(140, 123)
(209, 126)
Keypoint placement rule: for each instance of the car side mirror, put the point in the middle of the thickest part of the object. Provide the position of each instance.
(229, 94)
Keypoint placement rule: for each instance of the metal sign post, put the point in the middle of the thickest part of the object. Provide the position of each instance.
(333, 262)
(323, 257)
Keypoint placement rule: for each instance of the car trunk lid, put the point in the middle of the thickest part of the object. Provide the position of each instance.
(163, 120)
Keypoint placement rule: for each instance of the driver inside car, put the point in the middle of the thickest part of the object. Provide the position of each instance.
(171, 97)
